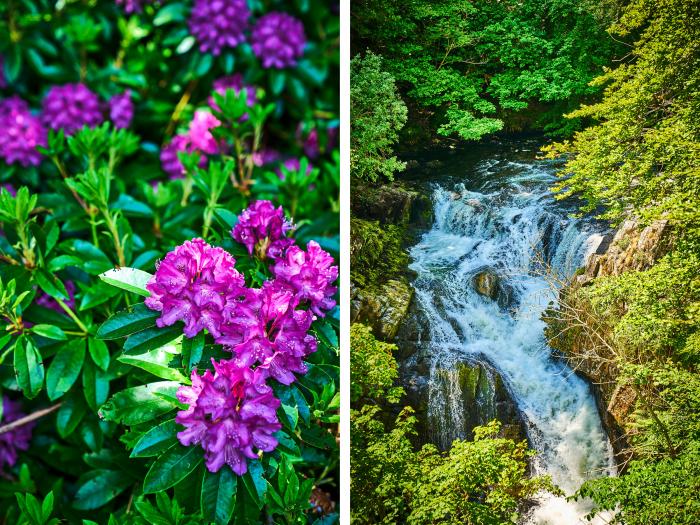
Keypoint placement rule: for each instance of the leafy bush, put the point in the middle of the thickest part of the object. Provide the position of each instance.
(472, 64)
(128, 133)
(378, 114)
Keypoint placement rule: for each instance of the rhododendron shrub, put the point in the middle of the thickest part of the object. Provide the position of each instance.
(168, 262)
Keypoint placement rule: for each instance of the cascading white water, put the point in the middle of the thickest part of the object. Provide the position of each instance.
(509, 224)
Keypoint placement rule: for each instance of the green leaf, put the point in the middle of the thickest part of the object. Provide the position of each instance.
(49, 331)
(101, 487)
(129, 279)
(99, 352)
(254, 481)
(157, 362)
(156, 440)
(192, 350)
(50, 285)
(140, 403)
(171, 468)
(186, 44)
(128, 322)
(70, 414)
(29, 367)
(150, 339)
(219, 496)
(65, 368)
(95, 386)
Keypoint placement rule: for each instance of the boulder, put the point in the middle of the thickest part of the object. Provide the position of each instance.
(383, 308)
(455, 399)
(486, 283)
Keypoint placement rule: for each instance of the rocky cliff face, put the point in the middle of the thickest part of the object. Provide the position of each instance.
(632, 248)
(384, 218)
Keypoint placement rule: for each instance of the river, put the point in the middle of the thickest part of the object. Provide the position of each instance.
(493, 211)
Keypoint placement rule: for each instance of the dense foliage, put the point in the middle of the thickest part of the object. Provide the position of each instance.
(479, 481)
(470, 65)
(641, 161)
(131, 129)
(377, 114)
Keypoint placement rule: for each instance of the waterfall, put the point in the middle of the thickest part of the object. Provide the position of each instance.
(501, 217)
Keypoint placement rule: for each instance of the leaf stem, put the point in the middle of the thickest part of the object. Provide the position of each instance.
(72, 315)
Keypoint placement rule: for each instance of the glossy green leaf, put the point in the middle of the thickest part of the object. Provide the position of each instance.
(157, 362)
(29, 367)
(99, 352)
(129, 279)
(141, 403)
(65, 368)
(156, 440)
(49, 331)
(172, 467)
(128, 322)
(101, 487)
(150, 339)
(192, 350)
(218, 498)
(255, 483)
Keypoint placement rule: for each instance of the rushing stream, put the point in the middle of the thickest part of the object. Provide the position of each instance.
(498, 215)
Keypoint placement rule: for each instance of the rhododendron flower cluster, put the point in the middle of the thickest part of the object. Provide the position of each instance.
(232, 412)
(234, 82)
(70, 107)
(132, 6)
(262, 227)
(16, 439)
(21, 133)
(278, 40)
(218, 24)
(192, 285)
(198, 138)
(121, 109)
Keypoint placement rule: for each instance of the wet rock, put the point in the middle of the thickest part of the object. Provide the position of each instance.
(383, 308)
(486, 283)
(455, 399)
(395, 203)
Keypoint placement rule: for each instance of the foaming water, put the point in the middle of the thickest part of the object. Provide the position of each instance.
(511, 225)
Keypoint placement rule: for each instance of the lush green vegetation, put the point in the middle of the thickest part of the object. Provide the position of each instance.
(479, 481)
(632, 70)
(470, 66)
(377, 114)
(641, 160)
(101, 375)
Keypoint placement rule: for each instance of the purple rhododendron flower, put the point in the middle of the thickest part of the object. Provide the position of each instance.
(198, 138)
(200, 134)
(265, 156)
(264, 327)
(278, 40)
(310, 274)
(13, 441)
(261, 227)
(132, 6)
(234, 82)
(311, 148)
(49, 302)
(230, 413)
(217, 24)
(21, 133)
(121, 110)
(168, 156)
(293, 164)
(70, 107)
(192, 285)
